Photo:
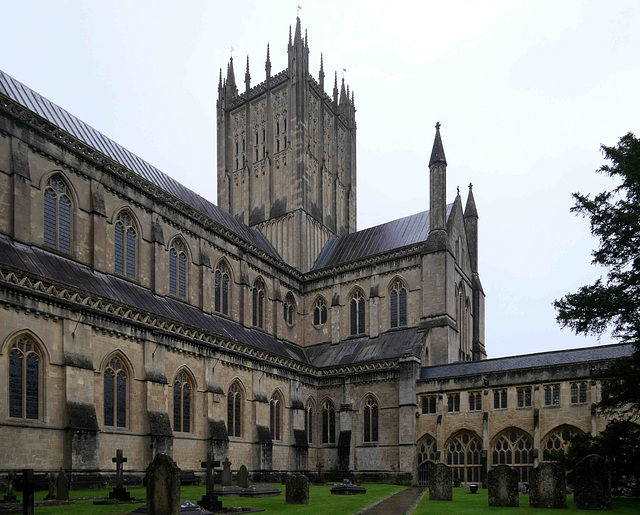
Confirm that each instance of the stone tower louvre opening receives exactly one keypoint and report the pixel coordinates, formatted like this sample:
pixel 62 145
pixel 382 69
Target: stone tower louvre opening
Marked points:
pixel 287 155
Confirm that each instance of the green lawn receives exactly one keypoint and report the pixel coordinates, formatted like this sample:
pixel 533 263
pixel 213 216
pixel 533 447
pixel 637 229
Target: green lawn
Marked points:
pixel 321 501
pixel 464 502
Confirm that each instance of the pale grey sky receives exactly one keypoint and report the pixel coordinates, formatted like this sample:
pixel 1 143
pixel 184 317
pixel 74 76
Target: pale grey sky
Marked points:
pixel 525 92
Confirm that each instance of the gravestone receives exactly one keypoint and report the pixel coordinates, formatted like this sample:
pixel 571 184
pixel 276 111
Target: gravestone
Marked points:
pixel 440 483
pixel 243 477
pixel 210 500
pixel 52 488
pixel 260 491
pixel 186 508
pixel 11 485
pixel 28 487
pixel 119 492
pixel 63 486
pixel 226 472
pixel 162 479
pixel 297 489
pixel 593 483
pixel 548 486
pixel 319 479
pixel 348 488
pixel 503 486
pixel 227 488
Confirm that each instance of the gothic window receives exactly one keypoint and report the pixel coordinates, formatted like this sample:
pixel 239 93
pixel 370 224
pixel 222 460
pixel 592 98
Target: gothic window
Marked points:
pixel 24 379
pixel 429 404
pixel 453 402
pixel 524 397
pixel 475 401
pixel 556 443
pixel 289 308
pixel 234 410
pixel 115 393
pixel 357 312
pixel 514 448
pixel 398 305
pixel 182 403
pixel 125 246
pixel 328 422
pixel 500 399
pixel 578 393
pixel 178 269
pixel 308 421
pixel 258 303
pixel 427 450
pixel 552 395
pixel 463 317
pixel 277 128
pixel 370 419
pixel 275 416
pixel 57 215
pixel 463 456
pixel 222 282
pixel 320 312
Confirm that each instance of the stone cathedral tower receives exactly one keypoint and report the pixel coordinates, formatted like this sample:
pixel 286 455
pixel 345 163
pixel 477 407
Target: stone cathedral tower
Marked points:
pixel 287 156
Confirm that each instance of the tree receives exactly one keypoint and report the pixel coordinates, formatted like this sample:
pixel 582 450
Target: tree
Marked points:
pixel 613 302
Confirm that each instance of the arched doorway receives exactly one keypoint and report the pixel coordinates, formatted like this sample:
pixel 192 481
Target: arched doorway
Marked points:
pixel 426 458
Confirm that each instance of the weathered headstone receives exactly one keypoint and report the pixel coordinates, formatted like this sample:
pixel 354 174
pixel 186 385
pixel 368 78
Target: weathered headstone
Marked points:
pixel 11 485
pixel 119 492
pixel 548 486
pixel 226 472
pixel 28 487
pixel 63 486
pixel 593 484
pixel 243 477
pixel 503 486
pixel 52 488
pixel 440 483
pixel 210 500
pixel 297 489
pixel 162 479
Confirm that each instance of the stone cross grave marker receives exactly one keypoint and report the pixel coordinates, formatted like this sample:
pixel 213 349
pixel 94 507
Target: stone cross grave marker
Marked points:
pixel 163 486
pixel 63 486
pixel 226 472
pixel 119 492
pixel 52 487
pixel 319 466
pixel 28 487
pixel 209 500
pixel 11 485
pixel 243 477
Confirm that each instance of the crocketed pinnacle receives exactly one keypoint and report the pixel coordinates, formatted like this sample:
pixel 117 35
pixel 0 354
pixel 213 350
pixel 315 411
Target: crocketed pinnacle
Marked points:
pixel 437 153
pixel 470 210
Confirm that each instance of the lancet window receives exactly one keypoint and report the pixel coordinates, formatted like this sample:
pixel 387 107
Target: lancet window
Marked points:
pixel 125 242
pixel 25 370
pixel 115 393
pixel 57 215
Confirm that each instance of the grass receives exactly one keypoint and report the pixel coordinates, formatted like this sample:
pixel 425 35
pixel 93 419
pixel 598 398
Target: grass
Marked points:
pixel 320 501
pixel 464 502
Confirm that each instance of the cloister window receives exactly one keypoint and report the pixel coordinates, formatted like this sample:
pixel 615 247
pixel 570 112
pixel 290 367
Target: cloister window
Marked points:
pixel 370 420
pixel 24 379
pixel 453 402
pixel 275 416
pixel 57 215
pixel 475 401
pixel 578 393
pixel 182 403
pixel 328 422
pixel 556 443
pixel 115 394
pixel 234 410
pixel 308 421
pixel 429 405
pixel 463 456
pixel 524 397
pixel 222 282
pixel 427 456
pixel 357 312
pixel 289 308
pixel 514 448
pixel 178 269
pixel 398 305
pixel 125 246
pixel 320 312
pixel 552 395
pixel 258 303
pixel 500 399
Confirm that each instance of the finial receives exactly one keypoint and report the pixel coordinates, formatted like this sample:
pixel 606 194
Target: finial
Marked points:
pixel 220 79
pixel 268 57
pixel 306 38
pixel 298 12
pixel 231 53
pixel 335 82
pixel 437 126
pixel 470 186
pixel 321 63
pixel 458 189
pixel 289 35
pixel 247 64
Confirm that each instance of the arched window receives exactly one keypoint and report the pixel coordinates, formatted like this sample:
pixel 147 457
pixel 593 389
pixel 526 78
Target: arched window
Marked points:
pixel 222 283
pixel 398 304
pixel 125 246
pixel 24 379
pixel 308 421
pixel 463 456
pixel 328 422
pixel 514 448
pixel 289 308
pixel 463 316
pixel 234 410
pixel 178 268
pixel 275 416
pixel 182 403
pixel 258 303
pixel 57 215
pixel 357 312
pixel 427 456
pixel 320 312
pixel 115 394
pixel 370 419
pixel 578 393
pixel 555 444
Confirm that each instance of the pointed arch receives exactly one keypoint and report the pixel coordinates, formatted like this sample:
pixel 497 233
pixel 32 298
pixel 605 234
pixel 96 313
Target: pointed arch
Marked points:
pixel 289 308
pixel 357 303
pixel 370 418
pixel 179 259
pixel 223 278
pixel 514 447
pixel 117 376
pixel 126 238
pixel 60 203
pixel 276 410
pixel 184 386
pixel 309 419
pixel 235 401
pixel 398 302
pixel 328 421
pixel 426 456
pixel 259 296
pixel 555 443
pixel 26 376
pixel 463 454
pixel 320 311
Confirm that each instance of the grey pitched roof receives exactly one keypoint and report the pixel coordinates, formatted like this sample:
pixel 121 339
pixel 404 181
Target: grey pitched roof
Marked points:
pixel 539 360
pixel 51 112
pixel 375 240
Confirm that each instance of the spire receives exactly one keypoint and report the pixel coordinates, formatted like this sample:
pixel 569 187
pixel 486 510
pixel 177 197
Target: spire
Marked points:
pixel 470 210
pixel 321 74
pixel 342 92
pixel 220 79
pixel 247 76
pixel 297 39
pixel 231 77
pixel 267 64
pixel 289 35
pixel 335 90
pixel 306 39
pixel 437 153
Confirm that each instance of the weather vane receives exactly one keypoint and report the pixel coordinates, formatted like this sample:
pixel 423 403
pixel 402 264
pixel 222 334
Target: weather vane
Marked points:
pixel 232 49
pixel 298 11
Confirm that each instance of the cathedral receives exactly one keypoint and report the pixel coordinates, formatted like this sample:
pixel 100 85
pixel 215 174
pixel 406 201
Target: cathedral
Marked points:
pixel 138 315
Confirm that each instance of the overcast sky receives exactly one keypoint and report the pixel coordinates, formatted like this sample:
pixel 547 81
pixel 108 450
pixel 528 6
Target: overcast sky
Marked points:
pixel 526 92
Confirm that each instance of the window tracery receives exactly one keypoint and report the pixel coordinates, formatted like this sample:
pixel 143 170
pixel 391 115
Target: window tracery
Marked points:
pixel 370 416
pixel 356 304
pixel 234 410
pixel 221 290
pixel 57 215
pixel 125 243
pixel 25 372
pixel 178 268
pixel 398 304
pixel 182 403
pixel 115 393
pixel 463 456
